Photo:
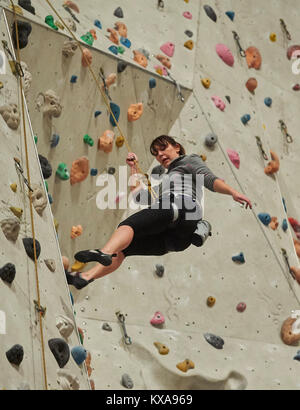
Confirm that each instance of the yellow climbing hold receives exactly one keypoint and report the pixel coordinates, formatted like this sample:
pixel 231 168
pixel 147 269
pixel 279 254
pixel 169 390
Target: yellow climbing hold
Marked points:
pixel 17 211
pixel 77 266
pixel 206 82
pixel 264 127
pixel 1 85
pixel 159 71
pixel 273 37
pixel 210 301
pixel 162 349
pixel 203 157
pixel 56 224
pixel 13 187
pixel 186 365
pixel 120 141
pixel 189 44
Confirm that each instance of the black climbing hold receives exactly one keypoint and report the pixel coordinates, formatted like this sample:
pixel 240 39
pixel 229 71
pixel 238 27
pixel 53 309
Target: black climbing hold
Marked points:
pixel 111 170
pixel 26 4
pixel 210 12
pixel 8 272
pixel 159 270
pixel 121 66
pixel 24 29
pixel 189 33
pixel 228 98
pixel 15 354
pixel 60 350
pixel 106 327
pixel 46 167
pixel 215 341
pixel 28 245
pixel 119 13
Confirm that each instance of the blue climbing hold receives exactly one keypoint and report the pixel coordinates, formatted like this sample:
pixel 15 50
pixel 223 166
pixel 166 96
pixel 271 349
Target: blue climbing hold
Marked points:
pixel 297 357
pixel 72 299
pixel 264 218
pixel 54 140
pixel 116 111
pixel 94 171
pixel 284 204
pixel 113 49
pixel 98 24
pixel 152 83
pixel 284 225
pixel 97 113
pixel 125 42
pixel 245 118
pixel 50 199
pixel 79 354
pixel 73 79
pixel 230 14
pixel 239 258
pixel 268 101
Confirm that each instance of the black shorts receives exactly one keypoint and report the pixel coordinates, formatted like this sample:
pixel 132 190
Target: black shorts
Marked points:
pixel 155 234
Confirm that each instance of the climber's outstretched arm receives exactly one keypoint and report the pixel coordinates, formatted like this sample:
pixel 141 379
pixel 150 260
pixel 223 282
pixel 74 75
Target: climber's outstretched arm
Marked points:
pixel 221 187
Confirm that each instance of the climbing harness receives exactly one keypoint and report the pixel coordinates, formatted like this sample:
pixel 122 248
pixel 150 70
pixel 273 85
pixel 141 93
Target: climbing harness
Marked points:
pixel 71 13
pixel 179 95
pixel 284 253
pixel 237 39
pixel 21 172
pixel 259 143
pixel 283 127
pixel 284 28
pixel 121 319
pixel 15 66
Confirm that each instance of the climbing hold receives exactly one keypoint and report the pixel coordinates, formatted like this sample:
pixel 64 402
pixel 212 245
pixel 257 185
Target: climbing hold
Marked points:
pixel 79 354
pixel 228 98
pixel 126 381
pixel 134 112
pixel 50 21
pixel 94 172
pixel 273 37
pixel 274 224
pixel 297 247
pixel 64 325
pixel 93 33
pixel 98 24
pixel 88 38
pixel 125 42
pixel 50 263
pixel 29 248
pixel 206 82
pixel 60 350
pixel 120 141
pixel 211 139
pixel 241 307
pixel 159 269
pixel 77 266
pixel 79 170
pixel 114 36
pixel 296 87
pixel 110 79
pixel 158 319
pixel 152 82
pixel 210 301
pixel 27 79
pixel 121 66
pixel 105 142
pixel 66 262
pixel 26 4
pixel 189 33
pixel 296 272
pixel 268 101
pixel 121 49
pixel 71 5
pixel 161 70
pixel 253 58
pixel 69 48
pixel 264 218
pixel 230 14
pixel 113 49
pixel 239 258
pixel 187 15
pixel 234 157
pixel 50 198
pixel 97 113
pixel 291 50
pixel 186 365
pixel 16 211
pixel 11 228
pixel 225 54
pixel 35 139
pixel 24 30
pixel 106 327
pixel 290 331
pixel 273 165
pixel 88 140
pixel 13 187
pixel 54 140
pixel 284 225
pixel 140 58
pixel 162 349
pixel 67 381
pixel 51 105
pixel 210 12
pixel 8 272
pixel 297 357
pixel 62 171
pixel 168 48
pixel 164 60
pixel 219 103
pixel 203 157
pixel 81 335
pixel 251 84
pixel 119 12
pixel 15 354
pixel 189 44
pixel 296 226
pixel 73 79
pixel 111 170
pixel 121 28
pixel 215 341
pixel 11 115
pixel 245 118
pixel 76 231
pixel 116 112
pixel 59 25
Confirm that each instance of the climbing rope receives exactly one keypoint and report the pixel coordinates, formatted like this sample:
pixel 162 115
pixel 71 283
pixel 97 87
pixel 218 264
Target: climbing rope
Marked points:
pixel 104 96
pixel 39 308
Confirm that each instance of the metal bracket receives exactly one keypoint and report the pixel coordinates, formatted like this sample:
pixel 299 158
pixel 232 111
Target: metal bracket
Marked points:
pixel 39 309
pixel 237 39
pixel 121 319
pixel 15 66
pixel 101 74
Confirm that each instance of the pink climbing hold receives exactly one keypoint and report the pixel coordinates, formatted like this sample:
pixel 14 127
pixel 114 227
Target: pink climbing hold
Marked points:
pixel 187 15
pixel 241 307
pixel 225 54
pixel 162 69
pixel 219 103
pixel 234 157
pixel 158 319
pixel 168 48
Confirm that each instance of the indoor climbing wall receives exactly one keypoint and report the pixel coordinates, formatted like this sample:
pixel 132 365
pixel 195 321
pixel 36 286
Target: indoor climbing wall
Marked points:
pixel 225 316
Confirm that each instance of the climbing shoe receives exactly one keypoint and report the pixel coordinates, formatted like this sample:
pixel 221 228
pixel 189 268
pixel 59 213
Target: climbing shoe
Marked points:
pixel 77 281
pixel 202 232
pixel 94 255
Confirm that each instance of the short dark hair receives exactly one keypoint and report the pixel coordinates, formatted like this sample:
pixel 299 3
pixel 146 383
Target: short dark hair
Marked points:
pixel 162 142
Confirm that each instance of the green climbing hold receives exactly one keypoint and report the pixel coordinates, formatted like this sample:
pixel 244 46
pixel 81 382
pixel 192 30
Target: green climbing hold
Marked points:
pixel 35 139
pixel 121 49
pixel 50 21
pixel 46 185
pixel 88 140
pixel 62 171
pixel 88 38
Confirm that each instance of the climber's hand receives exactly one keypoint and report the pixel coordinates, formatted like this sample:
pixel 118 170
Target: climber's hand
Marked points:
pixel 241 199
pixel 131 159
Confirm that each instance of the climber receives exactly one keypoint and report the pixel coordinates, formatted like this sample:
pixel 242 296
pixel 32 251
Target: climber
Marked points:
pixel 171 224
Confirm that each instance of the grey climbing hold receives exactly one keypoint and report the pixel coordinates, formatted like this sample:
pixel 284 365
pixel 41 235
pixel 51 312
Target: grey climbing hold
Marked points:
pixel 211 139
pixel 215 341
pixel 159 270
pixel 11 228
pixel 111 170
pixel 127 381
pixel 46 167
pixel 119 12
pixel 210 12
pixel 144 52
pixel 106 327
pixel 64 325
pixel 28 245
pixel 121 66
pixel 8 272
pixel 15 354
pixel 50 263
pixel 189 33
pixel 60 350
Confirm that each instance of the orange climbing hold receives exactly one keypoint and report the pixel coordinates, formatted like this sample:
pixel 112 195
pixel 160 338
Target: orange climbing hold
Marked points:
pixel 93 33
pixel 185 365
pixel 114 37
pixel 87 57
pixel 206 82
pixel 72 6
pixel 121 29
pixel 253 58
pixel 111 79
pixel 297 247
pixel 162 349
pixel 251 84
pixel 140 58
pixel 134 112
pixel 274 223
pixel 66 262
pixel 105 142
pixel 79 170
pixel 296 272
pixel 273 165
pixel 189 44
pixel 287 335
pixel 164 60
pixel 210 301
pixel 76 231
